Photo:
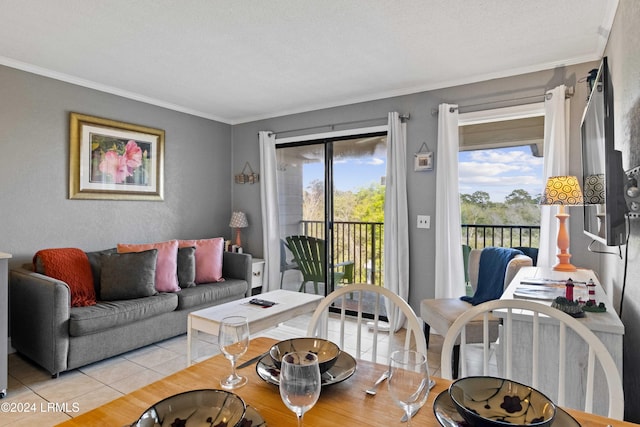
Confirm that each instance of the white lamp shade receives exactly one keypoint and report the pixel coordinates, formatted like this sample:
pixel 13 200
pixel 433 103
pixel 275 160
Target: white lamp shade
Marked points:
pixel 238 220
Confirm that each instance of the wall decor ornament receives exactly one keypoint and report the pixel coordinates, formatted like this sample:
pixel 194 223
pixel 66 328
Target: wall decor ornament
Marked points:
pixel 423 159
pixel 247 176
pixel 114 160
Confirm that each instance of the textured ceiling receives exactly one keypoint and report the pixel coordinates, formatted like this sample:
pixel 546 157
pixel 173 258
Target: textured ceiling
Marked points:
pixel 242 60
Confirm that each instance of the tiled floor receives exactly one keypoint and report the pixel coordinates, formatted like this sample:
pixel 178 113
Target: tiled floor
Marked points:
pixel 37 399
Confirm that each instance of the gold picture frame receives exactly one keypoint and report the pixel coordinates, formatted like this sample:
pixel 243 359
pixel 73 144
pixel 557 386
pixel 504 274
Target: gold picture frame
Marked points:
pixel 113 160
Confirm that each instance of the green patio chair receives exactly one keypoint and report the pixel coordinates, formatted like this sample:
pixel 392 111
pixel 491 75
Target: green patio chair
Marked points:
pixel 309 254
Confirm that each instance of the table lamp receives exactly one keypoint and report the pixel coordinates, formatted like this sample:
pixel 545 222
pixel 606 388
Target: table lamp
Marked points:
pixel 238 221
pixel 594 195
pixel 562 191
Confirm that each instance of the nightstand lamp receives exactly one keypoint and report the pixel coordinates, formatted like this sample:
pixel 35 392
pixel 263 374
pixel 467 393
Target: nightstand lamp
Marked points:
pixel 562 191
pixel 238 221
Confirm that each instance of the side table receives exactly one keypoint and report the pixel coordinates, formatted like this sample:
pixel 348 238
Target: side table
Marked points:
pixel 257 273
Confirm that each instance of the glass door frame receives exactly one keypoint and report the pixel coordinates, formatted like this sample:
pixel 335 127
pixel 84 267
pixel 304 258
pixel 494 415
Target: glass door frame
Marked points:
pixel 327 139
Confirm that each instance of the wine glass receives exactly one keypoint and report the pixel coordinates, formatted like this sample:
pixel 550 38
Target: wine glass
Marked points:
pixel 408 380
pixel 300 382
pixel 233 340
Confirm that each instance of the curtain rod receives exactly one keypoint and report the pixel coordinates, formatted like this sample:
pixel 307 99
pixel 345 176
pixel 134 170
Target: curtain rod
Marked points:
pixel 403 117
pixel 547 95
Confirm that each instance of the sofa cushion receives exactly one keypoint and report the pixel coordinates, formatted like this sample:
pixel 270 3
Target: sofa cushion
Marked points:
pixel 71 266
pixel 128 276
pixel 209 254
pixel 95 260
pixel 167 265
pixel 207 293
pixel 187 267
pixel 110 314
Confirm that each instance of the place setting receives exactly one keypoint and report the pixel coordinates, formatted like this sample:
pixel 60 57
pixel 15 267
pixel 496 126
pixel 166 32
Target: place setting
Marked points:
pixel 335 365
pixel 485 401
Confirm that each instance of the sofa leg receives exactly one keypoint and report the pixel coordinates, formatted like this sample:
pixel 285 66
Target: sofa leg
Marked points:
pixel 455 361
pixel 427 330
pixel 55 376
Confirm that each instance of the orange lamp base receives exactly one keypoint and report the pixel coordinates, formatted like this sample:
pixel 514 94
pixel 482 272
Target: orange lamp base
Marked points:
pixel 564 256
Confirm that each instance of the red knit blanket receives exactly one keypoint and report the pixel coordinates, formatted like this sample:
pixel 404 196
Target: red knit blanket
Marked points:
pixel 71 266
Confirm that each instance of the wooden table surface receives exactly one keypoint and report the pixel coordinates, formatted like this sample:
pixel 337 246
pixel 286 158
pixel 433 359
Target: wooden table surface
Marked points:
pixel 343 404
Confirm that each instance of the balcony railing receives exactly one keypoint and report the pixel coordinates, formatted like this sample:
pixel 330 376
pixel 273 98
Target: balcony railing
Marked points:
pixel 507 236
pixel 362 242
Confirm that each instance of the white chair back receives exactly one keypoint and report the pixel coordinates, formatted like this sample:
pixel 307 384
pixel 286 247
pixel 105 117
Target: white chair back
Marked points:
pixel 509 308
pixel 350 301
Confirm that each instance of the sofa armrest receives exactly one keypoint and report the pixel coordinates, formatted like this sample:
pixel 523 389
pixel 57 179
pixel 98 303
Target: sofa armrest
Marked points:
pixel 237 266
pixel 513 266
pixel 39 318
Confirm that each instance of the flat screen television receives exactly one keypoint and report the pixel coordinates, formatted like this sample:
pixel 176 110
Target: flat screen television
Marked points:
pixel 604 178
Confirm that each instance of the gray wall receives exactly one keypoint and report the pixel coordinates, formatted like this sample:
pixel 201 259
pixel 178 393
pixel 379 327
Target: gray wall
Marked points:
pixel 422 127
pixel 623 52
pixel 35 211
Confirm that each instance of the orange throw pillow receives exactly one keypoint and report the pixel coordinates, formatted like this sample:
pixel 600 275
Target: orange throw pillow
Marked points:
pixel 71 266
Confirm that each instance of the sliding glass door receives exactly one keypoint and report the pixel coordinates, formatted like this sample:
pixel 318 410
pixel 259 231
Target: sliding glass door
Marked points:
pixel 332 190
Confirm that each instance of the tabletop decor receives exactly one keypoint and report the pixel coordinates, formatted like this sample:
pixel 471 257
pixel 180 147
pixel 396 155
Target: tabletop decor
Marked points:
pixel 448 416
pixel 114 160
pixel 326 351
pixel 216 408
pixel 300 382
pixel 409 381
pixel 233 340
pixel 238 221
pixel 498 402
pixel 562 191
pixel 343 369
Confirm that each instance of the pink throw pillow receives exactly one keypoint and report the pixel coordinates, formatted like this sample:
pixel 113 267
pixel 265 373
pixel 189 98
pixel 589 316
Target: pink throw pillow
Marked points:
pixel 166 266
pixel 209 253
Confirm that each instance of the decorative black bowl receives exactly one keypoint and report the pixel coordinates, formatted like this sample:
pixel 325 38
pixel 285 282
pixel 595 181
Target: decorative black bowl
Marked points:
pixel 326 351
pixel 498 402
pixel 196 408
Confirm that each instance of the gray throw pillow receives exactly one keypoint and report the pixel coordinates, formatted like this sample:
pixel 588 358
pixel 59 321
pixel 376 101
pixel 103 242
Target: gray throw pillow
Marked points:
pixel 128 275
pixel 95 260
pixel 187 267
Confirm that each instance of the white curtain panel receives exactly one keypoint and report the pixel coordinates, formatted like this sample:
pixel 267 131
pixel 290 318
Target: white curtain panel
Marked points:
pixel 449 277
pixel 556 163
pixel 396 219
pixel 270 214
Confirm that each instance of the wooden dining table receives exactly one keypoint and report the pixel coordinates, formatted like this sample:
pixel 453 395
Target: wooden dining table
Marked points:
pixel 342 404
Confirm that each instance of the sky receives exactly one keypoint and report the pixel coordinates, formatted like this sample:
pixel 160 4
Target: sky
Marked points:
pixel 497 172
pixel 500 171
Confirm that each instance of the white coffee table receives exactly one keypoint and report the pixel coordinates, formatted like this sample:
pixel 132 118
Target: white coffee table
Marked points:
pixel 289 304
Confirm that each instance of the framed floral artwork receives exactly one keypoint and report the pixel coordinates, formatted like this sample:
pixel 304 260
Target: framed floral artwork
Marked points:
pixel 114 160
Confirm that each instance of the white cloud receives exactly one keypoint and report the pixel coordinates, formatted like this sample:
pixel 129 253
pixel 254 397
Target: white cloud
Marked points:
pixel 499 172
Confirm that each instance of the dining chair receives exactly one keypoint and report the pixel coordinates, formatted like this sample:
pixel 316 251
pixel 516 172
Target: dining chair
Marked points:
pixel 350 311
pixel 440 313
pixel 542 316
pixel 309 254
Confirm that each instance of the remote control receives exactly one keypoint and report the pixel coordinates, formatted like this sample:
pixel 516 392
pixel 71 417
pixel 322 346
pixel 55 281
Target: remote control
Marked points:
pixel 262 302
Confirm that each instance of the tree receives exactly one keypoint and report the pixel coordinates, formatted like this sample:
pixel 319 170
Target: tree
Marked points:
pixel 519 197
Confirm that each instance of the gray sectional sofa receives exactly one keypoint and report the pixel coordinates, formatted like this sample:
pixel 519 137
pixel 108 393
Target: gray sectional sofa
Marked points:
pixel 46 329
